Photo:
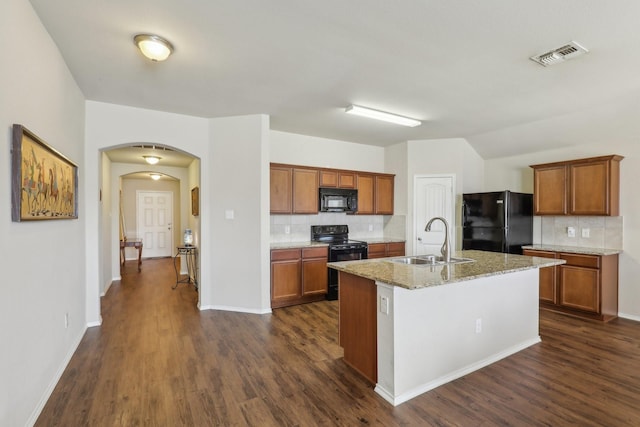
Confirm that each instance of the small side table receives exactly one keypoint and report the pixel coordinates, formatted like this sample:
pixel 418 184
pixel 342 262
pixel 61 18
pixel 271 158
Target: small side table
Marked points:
pixel 191 256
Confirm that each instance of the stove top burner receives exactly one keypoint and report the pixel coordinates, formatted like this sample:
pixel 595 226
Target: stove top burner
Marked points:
pixel 334 235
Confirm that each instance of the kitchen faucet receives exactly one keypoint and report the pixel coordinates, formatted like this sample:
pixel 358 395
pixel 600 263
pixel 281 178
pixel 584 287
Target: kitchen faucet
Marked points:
pixel 446 253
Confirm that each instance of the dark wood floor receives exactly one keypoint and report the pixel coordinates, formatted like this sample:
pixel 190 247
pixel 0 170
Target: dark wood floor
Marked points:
pixel 158 361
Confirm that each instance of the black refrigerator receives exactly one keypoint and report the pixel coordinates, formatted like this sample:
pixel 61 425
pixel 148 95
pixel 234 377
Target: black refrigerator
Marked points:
pixel 497 222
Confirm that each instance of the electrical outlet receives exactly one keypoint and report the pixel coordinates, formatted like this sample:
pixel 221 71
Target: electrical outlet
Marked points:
pixel 287 229
pixel 370 227
pixel 478 326
pixel 384 304
pixel 571 231
pixel 586 232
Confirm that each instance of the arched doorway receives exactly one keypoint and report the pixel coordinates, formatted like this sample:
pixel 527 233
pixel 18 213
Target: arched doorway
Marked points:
pixel 128 162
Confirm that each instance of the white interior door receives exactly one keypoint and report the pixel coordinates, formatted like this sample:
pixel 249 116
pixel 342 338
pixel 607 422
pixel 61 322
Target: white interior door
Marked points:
pixel 155 222
pixel 433 196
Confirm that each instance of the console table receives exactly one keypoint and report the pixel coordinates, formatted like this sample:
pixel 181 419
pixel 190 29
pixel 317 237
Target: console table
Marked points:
pixel 133 243
pixel 191 257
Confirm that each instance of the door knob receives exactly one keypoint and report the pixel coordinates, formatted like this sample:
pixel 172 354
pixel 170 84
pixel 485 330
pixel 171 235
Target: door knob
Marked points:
pixel 419 239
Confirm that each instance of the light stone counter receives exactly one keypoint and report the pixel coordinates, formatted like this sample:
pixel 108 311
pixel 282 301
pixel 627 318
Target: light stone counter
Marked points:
pixel 295 245
pixel 372 240
pixel 574 249
pixel 485 264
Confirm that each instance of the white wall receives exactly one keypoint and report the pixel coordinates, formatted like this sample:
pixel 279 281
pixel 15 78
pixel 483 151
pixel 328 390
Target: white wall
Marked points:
pixel 498 172
pixel 294 149
pixel 43 262
pixel 240 249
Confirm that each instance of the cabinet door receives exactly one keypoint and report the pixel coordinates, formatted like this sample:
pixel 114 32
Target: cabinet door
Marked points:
pixel 548 277
pixel 580 288
pixel 280 183
pixel 550 190
pixel 376 250
pixel 305 191
pixel 395 249
pixel 365 194
pixel 384 195
pixel 346 180
pixel 589 193
pixel 328 179
pixel 315 278
pixel 285 280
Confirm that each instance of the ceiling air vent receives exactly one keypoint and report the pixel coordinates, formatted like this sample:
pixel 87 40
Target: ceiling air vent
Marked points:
pixel 561 54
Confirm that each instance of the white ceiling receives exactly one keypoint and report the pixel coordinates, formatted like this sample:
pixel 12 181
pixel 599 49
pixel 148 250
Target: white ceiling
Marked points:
pixel 461 66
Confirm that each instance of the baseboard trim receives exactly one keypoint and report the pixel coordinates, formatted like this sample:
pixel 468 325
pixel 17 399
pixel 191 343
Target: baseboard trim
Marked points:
pixel 52 385
pixel 235 309
pixel 629 317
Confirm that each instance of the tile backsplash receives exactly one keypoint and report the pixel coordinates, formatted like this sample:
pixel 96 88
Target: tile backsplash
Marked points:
pixel 604 231
pixel 297 228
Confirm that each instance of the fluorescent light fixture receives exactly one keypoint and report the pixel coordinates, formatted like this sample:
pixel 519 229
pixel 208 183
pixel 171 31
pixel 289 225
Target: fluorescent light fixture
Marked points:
pixel 153 47
pixel 381 115
pixel 152 160
pixel 155 176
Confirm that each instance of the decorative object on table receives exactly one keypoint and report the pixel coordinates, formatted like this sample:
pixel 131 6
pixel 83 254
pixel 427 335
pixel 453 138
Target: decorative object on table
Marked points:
pixel 44 182
pixel 188 237
pixel 195 201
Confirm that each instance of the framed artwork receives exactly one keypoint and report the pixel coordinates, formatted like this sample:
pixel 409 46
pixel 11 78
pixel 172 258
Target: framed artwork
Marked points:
pixel 44 182
pixel 195 201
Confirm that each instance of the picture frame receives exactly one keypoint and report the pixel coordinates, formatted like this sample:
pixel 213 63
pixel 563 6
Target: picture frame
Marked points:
pixel 195 201
pixel 44 182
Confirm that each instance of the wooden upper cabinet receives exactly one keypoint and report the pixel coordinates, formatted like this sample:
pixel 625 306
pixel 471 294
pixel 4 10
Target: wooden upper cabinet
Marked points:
pixel 337 179
pixel 294 189
pixel 578 187
pixel 550 190
pixel 305 191
pixel 366 185
pixel 281 190
pixel 595 187
pixel 384 195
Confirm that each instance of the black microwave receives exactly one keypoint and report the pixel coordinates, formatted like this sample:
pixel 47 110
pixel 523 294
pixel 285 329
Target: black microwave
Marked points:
pixel 338 200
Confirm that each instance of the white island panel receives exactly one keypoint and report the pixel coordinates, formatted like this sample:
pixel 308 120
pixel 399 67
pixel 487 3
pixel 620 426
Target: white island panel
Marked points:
pixel 429 336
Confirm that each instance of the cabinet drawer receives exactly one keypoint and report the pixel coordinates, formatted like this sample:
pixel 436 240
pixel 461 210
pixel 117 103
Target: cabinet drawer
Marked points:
pixel 315 252
pixel 376 250
pixel 590 261
pixel 541 254
pixel 285 254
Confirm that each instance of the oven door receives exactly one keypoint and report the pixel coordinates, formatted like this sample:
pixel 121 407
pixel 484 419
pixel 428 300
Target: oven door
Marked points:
pixel 342 254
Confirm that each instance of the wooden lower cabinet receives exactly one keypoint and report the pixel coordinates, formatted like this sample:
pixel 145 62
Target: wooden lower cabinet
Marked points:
pixel 383 250
pixel 298 276
pixel 586 286
pixel 358 326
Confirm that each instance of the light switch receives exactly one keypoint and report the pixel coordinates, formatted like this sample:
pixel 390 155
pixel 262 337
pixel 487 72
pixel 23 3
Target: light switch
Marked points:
pixel 229 214
pixel 571 231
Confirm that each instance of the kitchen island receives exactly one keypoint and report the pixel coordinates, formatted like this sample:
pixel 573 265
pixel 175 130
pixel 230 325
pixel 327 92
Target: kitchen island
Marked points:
pixel 411 328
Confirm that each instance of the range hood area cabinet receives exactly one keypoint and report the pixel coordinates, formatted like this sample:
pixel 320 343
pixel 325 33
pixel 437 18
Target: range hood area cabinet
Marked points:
pixel 375 194
pixel 295 189
pixel 578 187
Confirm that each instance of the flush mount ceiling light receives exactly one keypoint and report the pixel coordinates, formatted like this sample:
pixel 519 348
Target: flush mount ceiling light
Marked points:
pixel 152 160
pixel 153 47
pixel 381 115
pixel 155 176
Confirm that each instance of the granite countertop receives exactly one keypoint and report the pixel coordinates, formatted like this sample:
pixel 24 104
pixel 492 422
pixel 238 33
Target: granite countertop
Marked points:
pixel 574 249
pixel 371 240
pixel 295 245
pixel 421 276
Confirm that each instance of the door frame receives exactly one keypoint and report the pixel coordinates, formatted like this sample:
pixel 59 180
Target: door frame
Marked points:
pixel 453 243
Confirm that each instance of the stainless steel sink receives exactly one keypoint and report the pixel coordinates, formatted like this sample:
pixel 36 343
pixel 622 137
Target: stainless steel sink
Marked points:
pixel 429 260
